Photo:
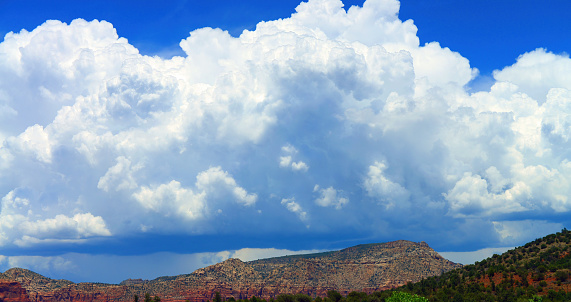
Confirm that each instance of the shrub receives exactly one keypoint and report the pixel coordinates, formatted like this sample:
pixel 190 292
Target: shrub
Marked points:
pixel 334 295
pixel 405 297
pixel 302 298
pixel 285 298
pixel 561 276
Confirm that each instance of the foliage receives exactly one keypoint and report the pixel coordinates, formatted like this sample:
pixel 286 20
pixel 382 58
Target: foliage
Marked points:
pixel 334 296
pixel 405 297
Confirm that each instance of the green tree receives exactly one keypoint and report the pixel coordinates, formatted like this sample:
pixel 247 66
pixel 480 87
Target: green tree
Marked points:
pixel 302 298
pixel 217 297
pixel 148 298
pixel 405 297
pixel 335 296
pixel 285 298
pixel 561 276
pixel 135 298
pixel 356 296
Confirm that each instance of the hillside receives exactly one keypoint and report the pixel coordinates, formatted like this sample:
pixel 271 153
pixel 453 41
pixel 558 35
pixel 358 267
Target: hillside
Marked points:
pixel 366 268
pixel 540 268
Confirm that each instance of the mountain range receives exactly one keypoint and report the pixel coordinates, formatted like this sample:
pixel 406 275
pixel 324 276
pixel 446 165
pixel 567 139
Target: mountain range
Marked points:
pixel 365 268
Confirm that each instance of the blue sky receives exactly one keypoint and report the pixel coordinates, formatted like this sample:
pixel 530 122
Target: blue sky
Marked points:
pixel 491 34
pixel 146 137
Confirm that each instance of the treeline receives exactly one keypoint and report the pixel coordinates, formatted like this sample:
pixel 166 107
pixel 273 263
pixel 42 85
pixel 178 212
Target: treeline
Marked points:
pixel 334 296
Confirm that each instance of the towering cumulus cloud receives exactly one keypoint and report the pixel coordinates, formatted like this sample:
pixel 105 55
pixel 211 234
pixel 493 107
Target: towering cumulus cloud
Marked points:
pixel 329 121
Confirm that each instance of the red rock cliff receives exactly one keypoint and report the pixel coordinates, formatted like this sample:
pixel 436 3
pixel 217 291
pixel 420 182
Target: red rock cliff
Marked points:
pixel 12 291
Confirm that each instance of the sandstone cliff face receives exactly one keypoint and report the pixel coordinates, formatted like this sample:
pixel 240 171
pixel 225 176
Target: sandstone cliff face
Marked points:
pixel 12 291
pixel 367 268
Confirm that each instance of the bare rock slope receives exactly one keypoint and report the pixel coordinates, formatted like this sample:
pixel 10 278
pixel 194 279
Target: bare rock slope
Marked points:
pixel 367 268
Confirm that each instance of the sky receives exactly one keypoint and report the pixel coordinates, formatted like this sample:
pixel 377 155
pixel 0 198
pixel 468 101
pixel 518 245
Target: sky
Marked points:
pixel 138 141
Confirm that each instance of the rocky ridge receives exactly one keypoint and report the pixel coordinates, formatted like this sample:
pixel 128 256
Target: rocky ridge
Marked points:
pixel 368 268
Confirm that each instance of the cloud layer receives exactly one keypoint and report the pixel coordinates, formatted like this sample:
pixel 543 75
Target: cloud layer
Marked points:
pixel 329 121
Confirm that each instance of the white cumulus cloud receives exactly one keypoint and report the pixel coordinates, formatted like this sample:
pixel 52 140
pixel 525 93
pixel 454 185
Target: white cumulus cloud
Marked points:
pixel 330 197
pixel 120 176
pixel 97 139
pixel 294 207
pixel 215 180
pixel 380 187
pixel 537 72
pixel 19 225
pixel 172 199
pixel 288 162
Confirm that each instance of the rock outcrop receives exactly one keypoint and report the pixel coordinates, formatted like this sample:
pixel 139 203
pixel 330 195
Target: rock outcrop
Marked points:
pixel 12 291
pixel 368 268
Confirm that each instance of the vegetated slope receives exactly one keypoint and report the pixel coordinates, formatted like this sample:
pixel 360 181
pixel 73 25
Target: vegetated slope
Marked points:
pixel 540 268
pixel 367 268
